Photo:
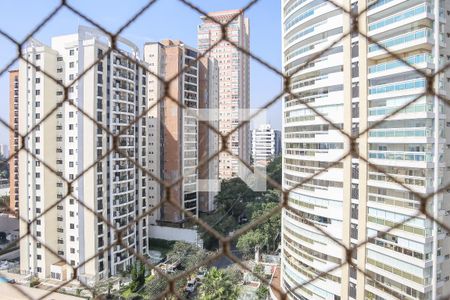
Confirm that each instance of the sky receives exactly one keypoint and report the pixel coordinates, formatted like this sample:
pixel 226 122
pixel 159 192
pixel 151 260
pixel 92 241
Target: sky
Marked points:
pixel 164 19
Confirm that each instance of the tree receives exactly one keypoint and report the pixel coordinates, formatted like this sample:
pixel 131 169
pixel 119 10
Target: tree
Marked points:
pixel 261 292
pixel 218 285
pixel 231 202
pixel 137 277
pixel 188 254
pixel 264 235
pixel 274 170
pixel 4 167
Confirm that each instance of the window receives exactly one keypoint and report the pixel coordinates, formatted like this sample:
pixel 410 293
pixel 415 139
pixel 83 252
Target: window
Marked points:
pixel 38 104
pixel 39 269
pixel 38 92
pixel 38 56
pixel 71 114
pixel 71 52
pixel 38 80
pixel 71 64
pixel 38 257
pixel 72 226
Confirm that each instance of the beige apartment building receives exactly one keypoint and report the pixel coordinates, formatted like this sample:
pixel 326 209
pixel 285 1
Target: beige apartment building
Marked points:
pixel 208 141
pixel 113 93
pixel 177 113
pixel 14 140
pixel 234 82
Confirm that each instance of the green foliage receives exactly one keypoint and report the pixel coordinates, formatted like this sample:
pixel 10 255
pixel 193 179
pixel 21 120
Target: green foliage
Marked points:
pixel 265 235
pixel 156 286
pixel 4 168
pixel 261 292
pixel 188 254
pixel 219 285
pixel 34 282
pixel 274 170
pixel 137 277
pixel 231 201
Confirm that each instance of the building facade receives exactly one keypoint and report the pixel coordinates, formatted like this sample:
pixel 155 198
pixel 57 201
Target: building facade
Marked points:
pixel 208 141
pixel 354 84
pixel 178 125
pixel 234 82
pixel 14 140
pixel 266 144
pixel 72 148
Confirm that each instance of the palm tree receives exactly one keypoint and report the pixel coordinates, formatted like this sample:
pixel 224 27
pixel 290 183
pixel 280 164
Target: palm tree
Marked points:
pixel 218 284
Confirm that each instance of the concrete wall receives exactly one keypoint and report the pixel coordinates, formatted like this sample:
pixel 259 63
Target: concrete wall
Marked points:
pixel 175 234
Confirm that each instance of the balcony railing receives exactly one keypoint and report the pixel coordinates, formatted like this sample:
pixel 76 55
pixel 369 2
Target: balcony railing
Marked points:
pixel 402 39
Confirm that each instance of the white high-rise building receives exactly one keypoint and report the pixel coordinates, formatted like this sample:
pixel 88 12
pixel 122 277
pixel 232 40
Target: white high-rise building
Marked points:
pixel 234 82
pixel 265 144
pixel 74 148
pixel 354 84
pixel 4 150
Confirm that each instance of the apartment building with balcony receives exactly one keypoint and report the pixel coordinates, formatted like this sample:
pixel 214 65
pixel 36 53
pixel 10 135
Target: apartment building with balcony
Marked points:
pixel 208 140
pixel 355 84
pixel 176 114
pixel 234 82
pixel 72 148
pixel 14 140
pixel 266 144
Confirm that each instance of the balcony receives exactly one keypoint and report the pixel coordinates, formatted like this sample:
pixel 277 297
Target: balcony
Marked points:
pixel 406 42
pixel 401 155
pixel 404 15
pixel 419 83
pixel 395 64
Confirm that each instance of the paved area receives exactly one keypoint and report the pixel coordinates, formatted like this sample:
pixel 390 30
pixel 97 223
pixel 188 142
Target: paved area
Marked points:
pixel 20 292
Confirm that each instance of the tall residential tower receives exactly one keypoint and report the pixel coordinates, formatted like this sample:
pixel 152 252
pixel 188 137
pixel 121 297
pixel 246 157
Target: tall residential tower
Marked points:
pixel 14 140
pixel 234 82
pixel 74 149
pixel 354 84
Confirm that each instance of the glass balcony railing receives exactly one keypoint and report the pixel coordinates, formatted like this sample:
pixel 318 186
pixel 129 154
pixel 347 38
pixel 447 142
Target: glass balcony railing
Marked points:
pixel 399 86
pixel 292 21
pixel 402 39
pixel 401 132
pixel 401 155
pixel 412 60
pixel 400 17
pixel 413 108
pixel 379 3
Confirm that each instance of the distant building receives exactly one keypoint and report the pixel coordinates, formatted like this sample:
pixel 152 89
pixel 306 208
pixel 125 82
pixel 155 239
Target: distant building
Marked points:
pixel 177 129
pixel 4 150
pixel 14 140
pixel 208 140
pixel 234 78
pixel 266 144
